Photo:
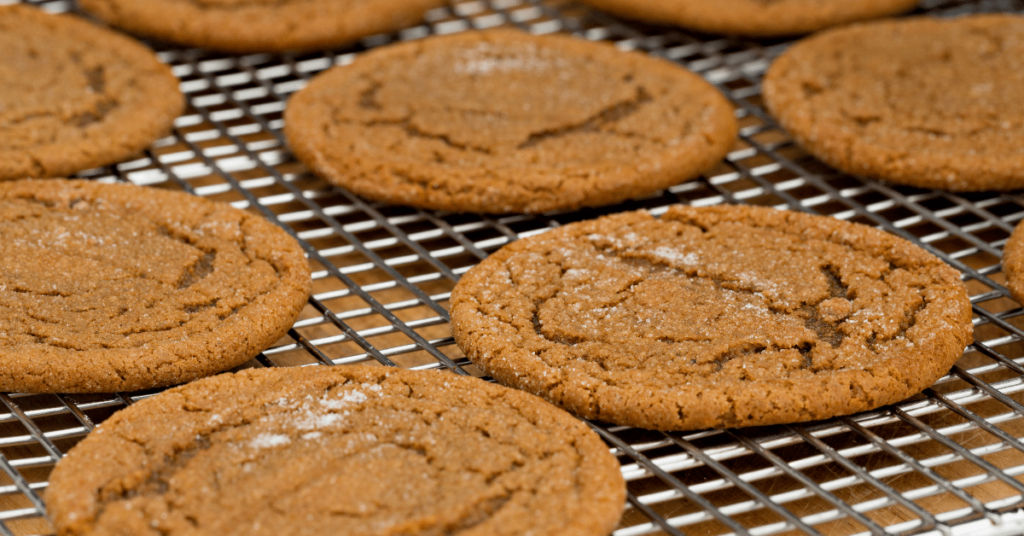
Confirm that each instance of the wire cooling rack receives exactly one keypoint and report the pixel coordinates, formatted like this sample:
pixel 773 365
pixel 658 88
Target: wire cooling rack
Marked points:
pixel 945 462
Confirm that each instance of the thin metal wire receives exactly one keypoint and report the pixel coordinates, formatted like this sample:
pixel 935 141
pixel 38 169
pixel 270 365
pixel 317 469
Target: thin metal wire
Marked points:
pixel 977 505
pixel 788 469
pixel 759 496
pixel 928 519
pixel 705 505
pixel 951 459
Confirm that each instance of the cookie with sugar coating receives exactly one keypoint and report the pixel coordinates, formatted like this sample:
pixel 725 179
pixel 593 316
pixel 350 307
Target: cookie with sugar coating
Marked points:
pixel 504 121
pixel 926 102
pixel 76 96
pixel 754 18
pixel 338 450
pixel 115 287
pixel 713 317
pixel 242 26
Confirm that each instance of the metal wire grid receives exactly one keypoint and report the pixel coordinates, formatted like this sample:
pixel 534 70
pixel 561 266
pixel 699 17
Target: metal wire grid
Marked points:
pixel 947 461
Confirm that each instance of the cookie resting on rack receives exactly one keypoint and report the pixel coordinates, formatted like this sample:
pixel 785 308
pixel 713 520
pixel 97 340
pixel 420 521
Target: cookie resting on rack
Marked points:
pixel 927 102
pixel 76 96
pixel 113 287
pixel 504 121
pixel 754 18
pixel 1013 263
pixel 242 26
pixel 352 450
pixel 713 317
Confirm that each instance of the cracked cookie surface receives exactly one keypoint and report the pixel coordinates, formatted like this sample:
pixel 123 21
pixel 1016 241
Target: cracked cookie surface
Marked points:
pixel 241 26
pixel 925 102
pixel 109 287
pixel 713 317
pixel 503 121
pixel 76 96
pixel 351 450
pixel 756 18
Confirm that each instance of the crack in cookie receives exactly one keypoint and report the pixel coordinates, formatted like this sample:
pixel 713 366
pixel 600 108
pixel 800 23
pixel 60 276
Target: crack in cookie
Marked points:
pixel 944 109
pixel 113 287
pixel 244 26
pixel 745 316
pixel 339 450
pixel 94 96
pixel 504 121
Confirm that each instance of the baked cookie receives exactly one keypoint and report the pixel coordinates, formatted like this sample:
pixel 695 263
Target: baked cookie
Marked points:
pixel 242 26
pixel 76 96
pixel 755 18
pixel 1013 263
pixel 504 121
pixel 924 102
pixel 343 450
pixel 108 287
pixel 713 317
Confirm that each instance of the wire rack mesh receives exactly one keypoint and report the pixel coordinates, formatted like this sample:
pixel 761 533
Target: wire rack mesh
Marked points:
pixel 948 461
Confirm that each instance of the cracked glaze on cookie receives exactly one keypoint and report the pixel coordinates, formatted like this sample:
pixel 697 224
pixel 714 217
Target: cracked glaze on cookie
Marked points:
pixel 713 317
pixel 76 96
pixel 926 102
pixel 345 450
pixel 114 287
pixel 502 121
pixel 241 26
pixel 759 18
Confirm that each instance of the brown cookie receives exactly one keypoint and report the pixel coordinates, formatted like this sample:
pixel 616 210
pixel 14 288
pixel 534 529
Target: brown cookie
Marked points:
pixel 349 450
pixel 260 25
pixel 756 18
pixel 713 317
pixel 1013 263
pixel 504 121
pixel 111 287
pixel 76 96
pixel 925 102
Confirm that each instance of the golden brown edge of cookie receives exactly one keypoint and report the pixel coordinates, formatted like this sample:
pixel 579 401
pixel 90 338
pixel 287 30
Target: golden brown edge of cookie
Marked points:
pixel 241 337
pixel 767 20
pixel 250 29
pixel 849 153
pixel 108 143
pixel 948 315
pixel 684 161
pixel 75 493
pixel 1013 263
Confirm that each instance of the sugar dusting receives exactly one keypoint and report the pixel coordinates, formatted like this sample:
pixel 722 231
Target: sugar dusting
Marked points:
pixel 485 59
pixel 314 414
pixel 676 256
pixel 266 441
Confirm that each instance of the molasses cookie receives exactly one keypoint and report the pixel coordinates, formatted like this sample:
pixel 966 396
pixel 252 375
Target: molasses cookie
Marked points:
pixel 112 287
pixel 925 102
pixel 755 18
pixel 1013 263
pixel 76 96
pixel 713 317
pixel 260 25
pixel 341 450
pixel 504 121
